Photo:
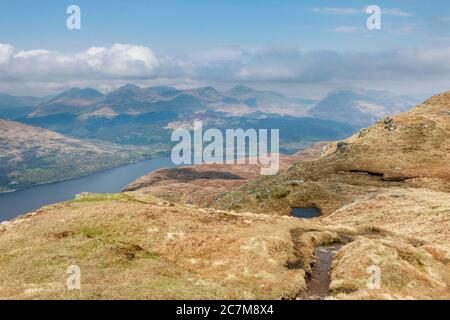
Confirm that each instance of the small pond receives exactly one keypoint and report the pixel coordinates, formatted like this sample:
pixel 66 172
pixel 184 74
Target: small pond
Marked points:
pixel 306 213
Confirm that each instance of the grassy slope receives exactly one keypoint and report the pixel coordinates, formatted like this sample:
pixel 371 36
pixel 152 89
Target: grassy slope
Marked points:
pixel 134 245
pixel 201 184
pixel 130 249
pixel 32 155
pixel 411 151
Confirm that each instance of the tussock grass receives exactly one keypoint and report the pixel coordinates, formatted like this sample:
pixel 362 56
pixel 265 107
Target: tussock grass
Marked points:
pixel 406 272
pixel 135 247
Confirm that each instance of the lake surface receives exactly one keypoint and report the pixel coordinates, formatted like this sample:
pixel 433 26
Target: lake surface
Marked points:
pixel 306 212
pixel 110 181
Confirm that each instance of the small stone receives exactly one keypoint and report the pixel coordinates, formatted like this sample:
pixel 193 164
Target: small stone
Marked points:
pixel 389 124
pixel 342 146
pixel 363 132
pixel 82 195
pixel 295 182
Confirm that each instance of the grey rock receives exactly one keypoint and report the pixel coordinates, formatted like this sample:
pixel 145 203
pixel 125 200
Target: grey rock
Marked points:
pixel 342 146
pixel 389 124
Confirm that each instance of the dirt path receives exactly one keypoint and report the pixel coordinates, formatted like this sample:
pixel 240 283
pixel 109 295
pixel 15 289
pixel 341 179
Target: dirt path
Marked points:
pixel 318 283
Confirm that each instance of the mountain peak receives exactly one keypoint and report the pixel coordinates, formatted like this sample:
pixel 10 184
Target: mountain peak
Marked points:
pixel 359 107
pixel 69 101
pixel 128 90
pixel 161 89
pixel 128 87
pixel 9 101
pixel 242 89
pixel 77 93
pixel 203 89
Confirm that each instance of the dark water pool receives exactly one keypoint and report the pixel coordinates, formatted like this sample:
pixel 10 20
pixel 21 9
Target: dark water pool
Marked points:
pixel 110 181
pixel 305 212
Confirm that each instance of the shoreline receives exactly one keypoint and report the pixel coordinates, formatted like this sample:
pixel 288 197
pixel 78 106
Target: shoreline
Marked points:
pixel 9 191
pixel 12 200
pixel 78 176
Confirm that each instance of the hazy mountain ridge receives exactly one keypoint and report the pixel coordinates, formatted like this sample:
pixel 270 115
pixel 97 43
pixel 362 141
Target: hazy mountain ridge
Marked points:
pixel 155 128
pixel 12 107
pixel 355 106
pixel 8 101
pixel 133 100
pixel 360 107
pixel 144 116
pixel 71 101
pixel 351 105
pixel 132 115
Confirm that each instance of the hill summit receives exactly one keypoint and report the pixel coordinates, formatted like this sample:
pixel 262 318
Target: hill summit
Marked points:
pixel 411 149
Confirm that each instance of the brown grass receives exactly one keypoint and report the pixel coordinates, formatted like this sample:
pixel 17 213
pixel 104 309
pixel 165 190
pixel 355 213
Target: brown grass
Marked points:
pixel 130 249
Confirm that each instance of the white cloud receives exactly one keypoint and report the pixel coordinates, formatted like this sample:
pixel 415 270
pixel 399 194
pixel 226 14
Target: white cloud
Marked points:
pixel 120 60
pixel 346 11
pixel 266 73
pixel 274 64
pixel 346 29
pixel 395 12
pixel 337 10
pixel 6 52
pixel 42 71
pixel 31 53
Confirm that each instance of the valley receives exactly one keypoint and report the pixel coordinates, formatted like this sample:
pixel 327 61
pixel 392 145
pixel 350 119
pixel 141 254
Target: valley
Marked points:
pixel 223 232
pixel 132 115
pixel 133 123
pixel 225 157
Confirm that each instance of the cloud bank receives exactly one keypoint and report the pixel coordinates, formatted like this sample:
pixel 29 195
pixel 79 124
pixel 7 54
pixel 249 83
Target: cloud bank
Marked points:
pixel 42 70
pixel 120 60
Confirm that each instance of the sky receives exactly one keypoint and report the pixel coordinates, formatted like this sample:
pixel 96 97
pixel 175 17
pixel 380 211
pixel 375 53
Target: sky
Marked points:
pixel 300 48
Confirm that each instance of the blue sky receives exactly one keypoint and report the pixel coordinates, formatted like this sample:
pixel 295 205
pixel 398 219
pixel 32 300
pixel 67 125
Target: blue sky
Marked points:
pixel 169 26
pixel 184 32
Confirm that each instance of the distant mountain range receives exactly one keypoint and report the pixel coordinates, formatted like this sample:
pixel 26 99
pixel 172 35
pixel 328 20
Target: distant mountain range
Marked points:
pixel 133 100
pixel 354 106
pixel 12 107
pixel 71 101
pixel 140 119
pixel 134 115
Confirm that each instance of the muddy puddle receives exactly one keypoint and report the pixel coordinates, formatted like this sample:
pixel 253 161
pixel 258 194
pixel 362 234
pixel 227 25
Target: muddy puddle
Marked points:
pixel 318 283
pixel 318 277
